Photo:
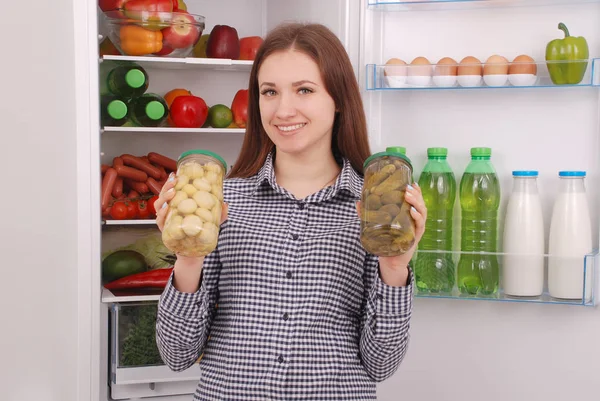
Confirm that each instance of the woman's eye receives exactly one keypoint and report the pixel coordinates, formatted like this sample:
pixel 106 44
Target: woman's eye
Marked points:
pixel 305 91
pixel 268 92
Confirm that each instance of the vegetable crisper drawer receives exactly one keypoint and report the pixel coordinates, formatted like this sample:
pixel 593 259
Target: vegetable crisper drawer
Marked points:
pixel 137 369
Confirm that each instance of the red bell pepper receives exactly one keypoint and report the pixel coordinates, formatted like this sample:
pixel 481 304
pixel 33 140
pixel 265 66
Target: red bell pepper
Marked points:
pixel 157 278
pixel 239 108
pixel 188 111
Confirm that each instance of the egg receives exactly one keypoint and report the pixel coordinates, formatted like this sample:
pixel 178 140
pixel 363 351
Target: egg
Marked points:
pixel 446 66
pixel 523 64
pixel 399 68
pixel 419 72
pixel 395 73
pixel 470 66
pixel 420 66
pixel 495 65
pixel 522 71
pixel 444 74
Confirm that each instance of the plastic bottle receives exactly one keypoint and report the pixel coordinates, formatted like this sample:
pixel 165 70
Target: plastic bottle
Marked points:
pixel 523 242
pixel 149 110
pixel 570 239
pixel 434 272
pixel 129 80
pixel 113 111
pixel 479 202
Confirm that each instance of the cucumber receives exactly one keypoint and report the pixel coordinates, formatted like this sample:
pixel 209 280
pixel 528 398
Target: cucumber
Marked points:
pixel 122 263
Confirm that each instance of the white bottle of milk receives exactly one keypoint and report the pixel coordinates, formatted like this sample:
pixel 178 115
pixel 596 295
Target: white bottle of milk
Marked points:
pixel 570 239
pixel 523 261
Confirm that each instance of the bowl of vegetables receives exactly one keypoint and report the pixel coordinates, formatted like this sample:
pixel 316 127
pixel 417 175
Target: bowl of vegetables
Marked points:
pixel 153 33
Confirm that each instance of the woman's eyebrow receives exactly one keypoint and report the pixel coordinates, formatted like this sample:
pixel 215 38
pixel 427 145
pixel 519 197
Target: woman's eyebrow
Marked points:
pixel 297 83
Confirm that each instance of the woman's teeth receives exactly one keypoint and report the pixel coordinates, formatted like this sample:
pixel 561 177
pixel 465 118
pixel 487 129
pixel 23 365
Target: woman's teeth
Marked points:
pixel 291 127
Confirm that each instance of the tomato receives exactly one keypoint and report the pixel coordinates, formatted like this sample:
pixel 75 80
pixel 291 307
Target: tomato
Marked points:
pixel 143 211
pixel 132 209
pixel 106 213
pixel 118 211
pixel 151 205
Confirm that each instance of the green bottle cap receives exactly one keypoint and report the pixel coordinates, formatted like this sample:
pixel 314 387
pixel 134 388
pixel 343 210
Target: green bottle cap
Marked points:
pixel 117 109
pixel 135 78
pixel 203 152
pixel 396 149
pixel 155 110
pixel 437 152
pixel 481 152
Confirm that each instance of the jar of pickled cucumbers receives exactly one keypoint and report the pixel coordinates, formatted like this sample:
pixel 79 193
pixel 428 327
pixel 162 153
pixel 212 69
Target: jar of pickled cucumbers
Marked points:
pixel 194 217
pixel 386 226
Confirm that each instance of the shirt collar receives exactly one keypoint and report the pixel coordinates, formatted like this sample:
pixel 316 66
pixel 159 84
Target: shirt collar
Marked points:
pixel 348 180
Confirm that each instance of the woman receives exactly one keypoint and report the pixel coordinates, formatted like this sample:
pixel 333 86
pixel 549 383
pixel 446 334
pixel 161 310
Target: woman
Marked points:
pixel 304 312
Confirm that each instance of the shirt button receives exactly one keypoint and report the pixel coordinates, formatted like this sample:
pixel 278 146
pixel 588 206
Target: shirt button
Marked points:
pixel 295 236
pixel 280 359
pixel 288 274
pixel 301 205
pixel 286 316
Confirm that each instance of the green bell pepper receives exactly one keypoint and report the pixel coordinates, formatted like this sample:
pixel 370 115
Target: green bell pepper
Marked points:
pixel 560 54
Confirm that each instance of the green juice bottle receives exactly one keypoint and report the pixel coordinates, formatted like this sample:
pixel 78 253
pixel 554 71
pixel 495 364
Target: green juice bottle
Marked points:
pixel 435 271
pixel 149 110
pixel 479 202
pixel 113 111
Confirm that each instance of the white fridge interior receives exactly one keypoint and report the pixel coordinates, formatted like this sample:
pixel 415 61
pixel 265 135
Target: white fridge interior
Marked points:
pixel 544 129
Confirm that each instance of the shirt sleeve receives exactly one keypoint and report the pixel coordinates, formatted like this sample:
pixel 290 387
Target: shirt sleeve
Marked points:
pixel 386 322
pixel 184 319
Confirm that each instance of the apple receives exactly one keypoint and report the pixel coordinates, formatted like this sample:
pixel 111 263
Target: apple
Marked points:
pixel 108 5
pixel 223 42
pixel 165 51
pixel 180 5
pixel 182 33
pixel 200 47
pixel 249 47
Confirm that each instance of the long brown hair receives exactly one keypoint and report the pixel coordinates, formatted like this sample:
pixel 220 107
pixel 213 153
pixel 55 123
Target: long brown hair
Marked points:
pixel 349 139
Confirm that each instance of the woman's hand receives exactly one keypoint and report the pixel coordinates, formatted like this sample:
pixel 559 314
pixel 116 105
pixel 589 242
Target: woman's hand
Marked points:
pixel 394 269
pixel 161 204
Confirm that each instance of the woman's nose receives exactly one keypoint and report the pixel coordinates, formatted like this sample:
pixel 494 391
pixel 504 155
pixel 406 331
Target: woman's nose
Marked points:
pixel 286 107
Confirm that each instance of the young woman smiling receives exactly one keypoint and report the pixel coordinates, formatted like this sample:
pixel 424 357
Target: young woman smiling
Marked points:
pixel 304 312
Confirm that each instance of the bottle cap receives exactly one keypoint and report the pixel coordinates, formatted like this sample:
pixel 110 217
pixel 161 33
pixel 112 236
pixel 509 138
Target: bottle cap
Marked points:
pixel 155 110
pixel 525 173
pixel 383 154
pixel 481 152
pixel 117 109
pixel 204 152
pixel 437 152
pixel 135 78
pixel 396 149
pixel 571 174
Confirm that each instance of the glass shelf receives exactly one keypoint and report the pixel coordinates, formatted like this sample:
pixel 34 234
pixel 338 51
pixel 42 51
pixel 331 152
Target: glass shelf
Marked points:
pixel 419 77
pixel 588 265
pixel 185 63
pixel 434 5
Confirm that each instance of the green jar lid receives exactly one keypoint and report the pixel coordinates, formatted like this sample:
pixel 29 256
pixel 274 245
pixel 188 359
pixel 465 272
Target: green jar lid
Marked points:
pixel 135 78
pixel 397 149
pixel 481 152
pixel 382 154
pixel 155 110
pixel 437 152
pixel 204 152
pixel 117 109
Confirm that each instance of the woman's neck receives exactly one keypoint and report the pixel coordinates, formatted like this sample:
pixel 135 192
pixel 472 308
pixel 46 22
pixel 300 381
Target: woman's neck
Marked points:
pixel 304 175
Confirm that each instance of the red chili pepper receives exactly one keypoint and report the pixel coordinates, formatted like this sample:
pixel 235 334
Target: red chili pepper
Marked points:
pixel 157 278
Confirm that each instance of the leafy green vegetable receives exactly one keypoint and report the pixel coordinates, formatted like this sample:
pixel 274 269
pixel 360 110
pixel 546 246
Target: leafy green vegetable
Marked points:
pixel 157 255
pixel 139 345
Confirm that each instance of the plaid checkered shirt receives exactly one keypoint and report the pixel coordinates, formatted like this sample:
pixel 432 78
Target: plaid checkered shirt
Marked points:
pixel 290 306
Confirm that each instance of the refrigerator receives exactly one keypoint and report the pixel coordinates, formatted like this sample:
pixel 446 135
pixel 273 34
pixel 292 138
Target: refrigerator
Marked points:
pixel 461 347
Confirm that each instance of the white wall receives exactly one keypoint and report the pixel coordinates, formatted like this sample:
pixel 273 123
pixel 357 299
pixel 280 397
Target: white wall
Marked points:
pixel 38 333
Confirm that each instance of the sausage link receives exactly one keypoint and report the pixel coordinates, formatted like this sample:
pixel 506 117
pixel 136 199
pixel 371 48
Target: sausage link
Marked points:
pixel 164 161
pixel 104 167
pixel 138 187
pixel 108 183
pixel 132 173
pixel 136 162
pixel 118 187
pixel 117 161
pixel 154 186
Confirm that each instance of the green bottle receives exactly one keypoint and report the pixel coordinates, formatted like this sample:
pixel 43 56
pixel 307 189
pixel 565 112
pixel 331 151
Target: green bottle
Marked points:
pixel 114 111
pixel 129 80
pixel 434 271
pixel 148 110
pixel 479 202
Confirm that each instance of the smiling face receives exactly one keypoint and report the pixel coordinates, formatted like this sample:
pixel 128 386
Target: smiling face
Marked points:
pixel 296 110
